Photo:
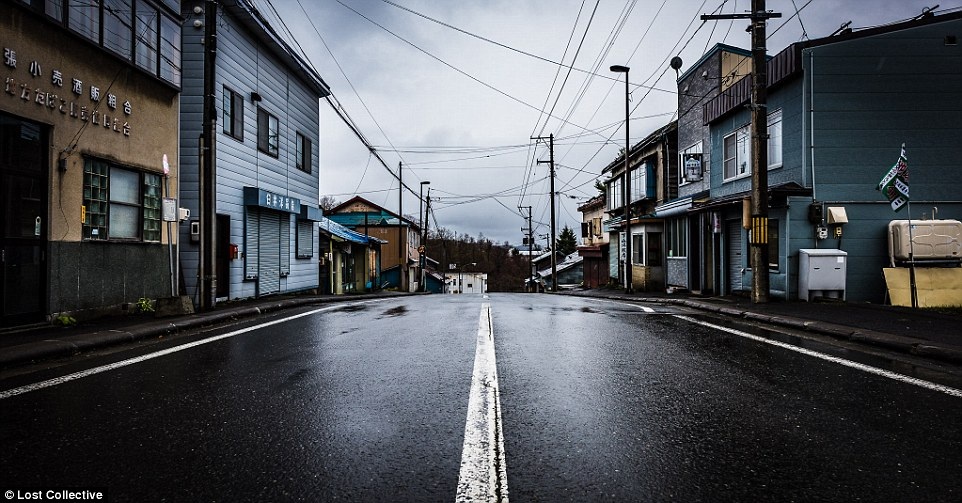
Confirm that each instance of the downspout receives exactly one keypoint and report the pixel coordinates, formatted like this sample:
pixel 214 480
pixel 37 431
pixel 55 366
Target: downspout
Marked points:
pixel 811 119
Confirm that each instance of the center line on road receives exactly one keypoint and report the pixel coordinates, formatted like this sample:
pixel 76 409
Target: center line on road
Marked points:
pixel 150 356
pixel 483 474
pixel 834 359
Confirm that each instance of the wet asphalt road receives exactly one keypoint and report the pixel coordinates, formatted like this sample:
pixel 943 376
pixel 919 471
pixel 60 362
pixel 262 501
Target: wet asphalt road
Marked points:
pixel 367 402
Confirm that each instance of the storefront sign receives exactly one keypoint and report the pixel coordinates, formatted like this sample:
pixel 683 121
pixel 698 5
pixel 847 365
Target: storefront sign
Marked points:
pixel 254 196
pixel 81 102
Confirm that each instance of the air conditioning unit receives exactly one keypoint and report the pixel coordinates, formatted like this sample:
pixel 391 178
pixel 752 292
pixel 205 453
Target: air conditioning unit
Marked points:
pixel 931 241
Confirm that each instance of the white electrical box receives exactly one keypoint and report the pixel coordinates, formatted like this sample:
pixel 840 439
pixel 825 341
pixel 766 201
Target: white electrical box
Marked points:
pixel 821 273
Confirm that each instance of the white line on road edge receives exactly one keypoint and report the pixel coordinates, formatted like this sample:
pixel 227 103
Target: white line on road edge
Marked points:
pixel 841 361
pixel 483 474
pixel 97 370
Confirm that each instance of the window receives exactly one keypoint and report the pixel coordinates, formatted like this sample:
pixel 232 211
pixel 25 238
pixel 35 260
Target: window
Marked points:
pixel 305 239
pixel 142 32
pixel 118 34
pixel 146 31
pixel 170 50
pixel 153 204
pixel 775 139
pixel 639 178
pixel 737 154
pixel 737 147
pixel 638 249
pixel 614 194
pixel 303 153
pixel 84 18
pixel 233 114
pixel 677 230
pixel 120 203
pixel 268 132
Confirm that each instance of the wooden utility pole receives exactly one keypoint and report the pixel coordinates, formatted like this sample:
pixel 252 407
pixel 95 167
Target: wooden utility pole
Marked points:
pixel 759 200
pixel 552 242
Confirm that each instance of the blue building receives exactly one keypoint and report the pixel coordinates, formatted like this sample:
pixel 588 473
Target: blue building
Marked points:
pixel 839 109
pixel 265 156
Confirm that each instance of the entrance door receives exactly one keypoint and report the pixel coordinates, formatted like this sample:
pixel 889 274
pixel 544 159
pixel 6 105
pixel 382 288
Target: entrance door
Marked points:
pixel 23 210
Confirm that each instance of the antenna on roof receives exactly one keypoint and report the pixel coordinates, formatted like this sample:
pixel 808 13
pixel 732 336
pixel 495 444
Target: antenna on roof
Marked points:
pixel 926 12
pixel 842 29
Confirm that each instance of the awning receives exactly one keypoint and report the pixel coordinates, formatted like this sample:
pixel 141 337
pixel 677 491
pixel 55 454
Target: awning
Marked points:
pixel 673 208
pixel 339 231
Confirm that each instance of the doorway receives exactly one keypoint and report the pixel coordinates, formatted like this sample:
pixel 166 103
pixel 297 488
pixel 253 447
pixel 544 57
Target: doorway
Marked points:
pixel 23 211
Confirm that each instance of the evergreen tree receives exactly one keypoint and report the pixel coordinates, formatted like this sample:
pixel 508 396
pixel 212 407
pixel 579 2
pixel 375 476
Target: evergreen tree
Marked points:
pixel 567 243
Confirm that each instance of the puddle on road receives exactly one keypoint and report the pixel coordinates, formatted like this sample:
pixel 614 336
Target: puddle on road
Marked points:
pixel 351 308
pixel 394 312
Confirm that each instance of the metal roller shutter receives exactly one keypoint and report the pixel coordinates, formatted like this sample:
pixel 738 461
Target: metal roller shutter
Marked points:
pixel 285 243
pixel 269 273
pixel 251 243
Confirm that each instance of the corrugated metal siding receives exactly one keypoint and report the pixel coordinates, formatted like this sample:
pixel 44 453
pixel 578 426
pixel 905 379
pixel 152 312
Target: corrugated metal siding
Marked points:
pixel 244 66
pixel 782 66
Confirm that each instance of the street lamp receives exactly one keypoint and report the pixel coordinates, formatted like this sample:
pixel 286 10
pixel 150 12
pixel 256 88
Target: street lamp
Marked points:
pixel 626 197
pixel 422 262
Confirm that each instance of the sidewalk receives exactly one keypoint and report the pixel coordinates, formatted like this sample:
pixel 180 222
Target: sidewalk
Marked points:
pixel 919 332
pixel 45 341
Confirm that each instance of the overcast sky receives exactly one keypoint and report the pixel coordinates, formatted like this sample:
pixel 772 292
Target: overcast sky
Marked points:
pixel 458 111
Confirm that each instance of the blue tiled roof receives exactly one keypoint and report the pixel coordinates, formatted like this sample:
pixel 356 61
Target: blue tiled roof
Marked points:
pixel 346 234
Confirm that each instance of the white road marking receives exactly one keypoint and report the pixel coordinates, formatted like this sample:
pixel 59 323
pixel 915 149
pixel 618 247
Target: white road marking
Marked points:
pixel 483 474
pixel 834 359
pixel 104 368
pixel 636 306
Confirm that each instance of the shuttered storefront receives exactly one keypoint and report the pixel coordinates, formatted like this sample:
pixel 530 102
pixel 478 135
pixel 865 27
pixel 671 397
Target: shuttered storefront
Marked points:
pixel 735 260
pixel 268 258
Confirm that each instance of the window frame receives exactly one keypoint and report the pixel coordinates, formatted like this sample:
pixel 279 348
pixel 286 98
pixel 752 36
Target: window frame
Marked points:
pixel 264 130
pixel 148 208
pixel 775 139
pixel 615 193
pixel 303 155
pixel 165 61
pixel 232 101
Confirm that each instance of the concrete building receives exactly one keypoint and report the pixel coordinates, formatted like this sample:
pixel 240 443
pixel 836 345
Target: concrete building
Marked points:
pixel 88 155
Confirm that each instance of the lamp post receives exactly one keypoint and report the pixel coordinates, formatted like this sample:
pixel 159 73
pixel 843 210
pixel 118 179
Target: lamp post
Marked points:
pixel 422 262
pixel 626 193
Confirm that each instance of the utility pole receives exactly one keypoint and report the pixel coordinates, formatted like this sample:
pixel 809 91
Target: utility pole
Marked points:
pixel 554 257
pixel 206 273
pixel 424 244
pixel 401 263
pixel 759 200
pixel 529 234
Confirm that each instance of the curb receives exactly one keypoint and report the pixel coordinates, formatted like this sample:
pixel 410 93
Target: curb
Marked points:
pixel 907 345
pixel 73 344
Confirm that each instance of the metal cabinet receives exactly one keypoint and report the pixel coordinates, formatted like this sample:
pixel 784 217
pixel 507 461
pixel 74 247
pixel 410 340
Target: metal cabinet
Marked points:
pixel 821 273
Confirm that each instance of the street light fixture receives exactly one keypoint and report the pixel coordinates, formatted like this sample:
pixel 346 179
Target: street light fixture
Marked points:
pixel 626 197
